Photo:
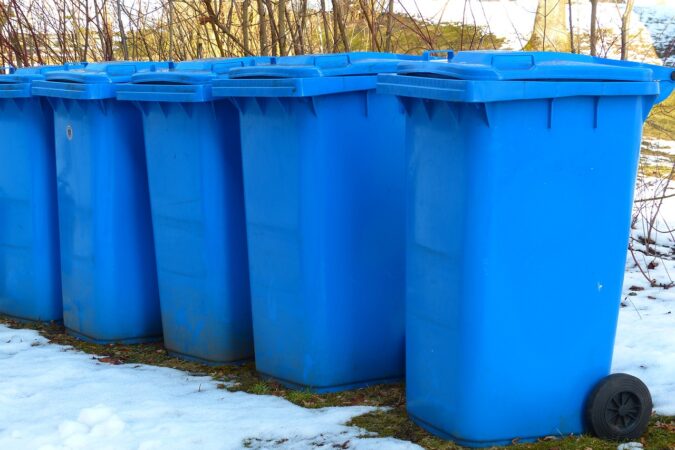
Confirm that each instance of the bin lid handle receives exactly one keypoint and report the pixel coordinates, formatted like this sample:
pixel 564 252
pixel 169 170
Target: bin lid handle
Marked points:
pixel 427 54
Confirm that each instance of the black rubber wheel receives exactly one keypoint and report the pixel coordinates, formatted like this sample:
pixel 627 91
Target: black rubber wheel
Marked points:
pixel 619 408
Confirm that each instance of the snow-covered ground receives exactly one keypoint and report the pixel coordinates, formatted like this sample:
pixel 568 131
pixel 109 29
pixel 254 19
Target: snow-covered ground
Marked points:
pixel 52 397
pixel 55 398
pixel 645 341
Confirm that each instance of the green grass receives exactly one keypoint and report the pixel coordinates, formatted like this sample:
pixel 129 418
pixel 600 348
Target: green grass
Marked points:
pixel 395 423
pixel 661 121
pixel 389 421
pixel 260 388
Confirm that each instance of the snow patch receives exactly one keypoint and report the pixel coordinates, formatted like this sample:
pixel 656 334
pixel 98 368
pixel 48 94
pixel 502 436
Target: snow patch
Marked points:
pixel 54 398
pixel 645 341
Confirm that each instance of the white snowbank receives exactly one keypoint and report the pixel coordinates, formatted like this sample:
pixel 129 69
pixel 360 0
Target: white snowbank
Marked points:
pixel 645 342
pixel 54 398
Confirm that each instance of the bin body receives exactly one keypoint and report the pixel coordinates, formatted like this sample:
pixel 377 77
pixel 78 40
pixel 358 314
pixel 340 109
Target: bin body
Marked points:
pixel 518 218
pixel 107 252
pixel 30 288
pixel 323 179
pixel 196 190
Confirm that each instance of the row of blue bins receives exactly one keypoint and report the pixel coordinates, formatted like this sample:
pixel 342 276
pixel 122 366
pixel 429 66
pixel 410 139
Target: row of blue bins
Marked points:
pixel 354 217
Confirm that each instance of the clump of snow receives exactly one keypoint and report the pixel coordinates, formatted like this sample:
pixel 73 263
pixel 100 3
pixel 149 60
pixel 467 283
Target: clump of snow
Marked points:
pixel 630 446
pixel 54 398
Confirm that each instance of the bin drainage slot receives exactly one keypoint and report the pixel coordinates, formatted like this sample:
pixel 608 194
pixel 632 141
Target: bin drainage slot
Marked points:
pixel 272 77
pixel 163 83
pixel 64 80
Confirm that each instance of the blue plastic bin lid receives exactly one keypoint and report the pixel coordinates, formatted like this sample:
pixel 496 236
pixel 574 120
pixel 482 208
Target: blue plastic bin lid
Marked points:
pixel 501 75
pixel 543 66
pixel 18 83
pixel 199 71
pixel 94 81
pixel 332 65
pixel 187 81
pixel 310 75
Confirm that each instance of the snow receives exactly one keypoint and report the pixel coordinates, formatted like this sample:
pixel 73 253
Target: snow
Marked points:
pixel 52 397
pixel 630 446
pixel 645 341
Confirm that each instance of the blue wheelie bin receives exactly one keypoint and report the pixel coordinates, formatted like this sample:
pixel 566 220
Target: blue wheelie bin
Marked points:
pixel 323 163
pixel 521 169
pixel 196 193
pixel 30 277
pixel 107 252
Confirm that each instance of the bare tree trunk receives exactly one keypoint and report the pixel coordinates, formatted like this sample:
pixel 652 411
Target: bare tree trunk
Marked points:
pixel 371 26
pixel 123 36
pixel 461 36
pixel 245 22
pixel 103 31
pixel 62 33
pixel 170 29
pixel 219 40
pixel 228 24
pixel 302 23
pixel 86 31
pixel 390 28
pixel 572 49
pixel 337 12
pixel 282 27
pixel 262 29
pixel 107 26
pixel 594 32
pixel 625 28
pixel 293 30
pixel 336 30
pixel 274 31
pixel 326 28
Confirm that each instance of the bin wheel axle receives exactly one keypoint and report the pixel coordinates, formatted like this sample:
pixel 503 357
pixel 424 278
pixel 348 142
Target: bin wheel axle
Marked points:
pixel 619 408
